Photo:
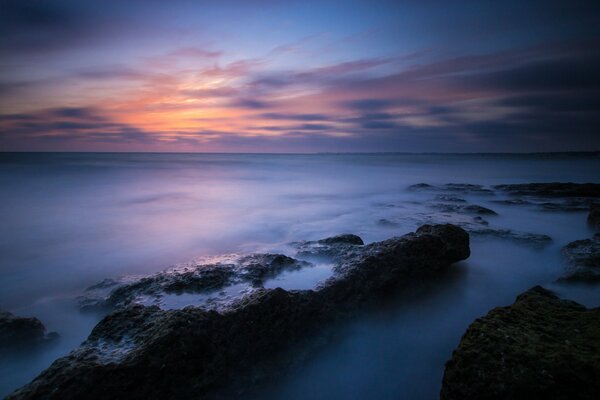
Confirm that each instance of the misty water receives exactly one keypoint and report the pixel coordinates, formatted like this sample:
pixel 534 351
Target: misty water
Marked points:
pixel 71 220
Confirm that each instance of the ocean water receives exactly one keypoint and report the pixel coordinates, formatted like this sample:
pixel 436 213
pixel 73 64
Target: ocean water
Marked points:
pixel 70 220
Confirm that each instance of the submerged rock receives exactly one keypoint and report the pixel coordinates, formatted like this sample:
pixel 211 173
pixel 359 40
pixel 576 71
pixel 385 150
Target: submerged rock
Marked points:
pixel 19 332
pixel 531 239
pixel 583 257
pixel 554 189
pixel 142 352
pixel 466 188
pixel 464 208
pixel 450 198
pixel 540 347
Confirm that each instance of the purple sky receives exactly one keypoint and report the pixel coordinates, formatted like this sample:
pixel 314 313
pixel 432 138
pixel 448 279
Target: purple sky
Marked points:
pixel 299 76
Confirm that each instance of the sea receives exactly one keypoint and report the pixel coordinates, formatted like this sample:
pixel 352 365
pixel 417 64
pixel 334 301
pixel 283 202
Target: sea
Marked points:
pixel 70 220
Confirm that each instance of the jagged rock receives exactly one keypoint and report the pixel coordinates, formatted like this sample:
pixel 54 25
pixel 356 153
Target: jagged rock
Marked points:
pixel 593 218
pixel 253 269
pixel 584 259
pixel 540 347
pixel 147 353
pixel 19 332
pixel 554 189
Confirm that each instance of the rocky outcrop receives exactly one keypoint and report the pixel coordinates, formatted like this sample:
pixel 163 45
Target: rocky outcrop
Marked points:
pixel 19 332
pixel 142 352
pixel 540 347
pixel 583 257
pixel 199 277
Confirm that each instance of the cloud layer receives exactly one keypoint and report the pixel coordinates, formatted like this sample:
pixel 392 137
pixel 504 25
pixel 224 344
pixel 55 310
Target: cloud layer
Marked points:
pixel 349 90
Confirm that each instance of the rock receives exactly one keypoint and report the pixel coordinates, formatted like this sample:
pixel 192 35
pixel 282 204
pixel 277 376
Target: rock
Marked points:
pixel 466 209
pixel 228 270
pixel 540 347
pixel 345 238
pixel 531 239
pixel 329 248
pixel 419 186
pixel 450 198
pixel 514 202
pixel 554 189
pixel 387 222
pixel 17 333
pixel 584 260
pixel 466 188
pixel 593 218
pixel 142 352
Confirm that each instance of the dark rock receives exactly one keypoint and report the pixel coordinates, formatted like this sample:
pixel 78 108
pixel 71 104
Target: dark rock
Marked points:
pixel 514 202
pixel 466 209
pixel 540 347
pixel 568 205
pixel 593 218
pixel 147 353
pixel 332 247
pixel 387 222
pixel 450 198
pixel 18 332
pixel 554 189
pixel 466 188
pixel 345 238
pixel 584 260
pixel 253 269
pixel 419 186
pixel 530 239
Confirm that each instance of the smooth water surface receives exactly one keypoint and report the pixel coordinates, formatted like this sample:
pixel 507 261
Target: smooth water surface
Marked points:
pixel 70 220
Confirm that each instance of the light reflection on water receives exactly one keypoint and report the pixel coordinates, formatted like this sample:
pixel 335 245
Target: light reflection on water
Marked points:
pixel 71 220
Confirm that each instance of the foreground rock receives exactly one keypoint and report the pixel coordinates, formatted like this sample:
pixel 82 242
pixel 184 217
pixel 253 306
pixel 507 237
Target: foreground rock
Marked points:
pixel 583 258
pixel 18 332
pixel 142 352
pixel 540 347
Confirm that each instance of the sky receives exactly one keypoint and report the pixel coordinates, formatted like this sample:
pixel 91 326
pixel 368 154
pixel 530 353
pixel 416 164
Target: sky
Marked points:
pixel 299 76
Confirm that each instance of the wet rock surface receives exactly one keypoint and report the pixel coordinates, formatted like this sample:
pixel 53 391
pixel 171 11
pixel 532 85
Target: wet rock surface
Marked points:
pixel 540 347
pixel 583 257
pixel 140 352
pixel 200 277
pixel 20 332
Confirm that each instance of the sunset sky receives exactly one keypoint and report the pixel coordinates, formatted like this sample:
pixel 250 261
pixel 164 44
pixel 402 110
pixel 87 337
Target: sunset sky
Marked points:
pixel 299 76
